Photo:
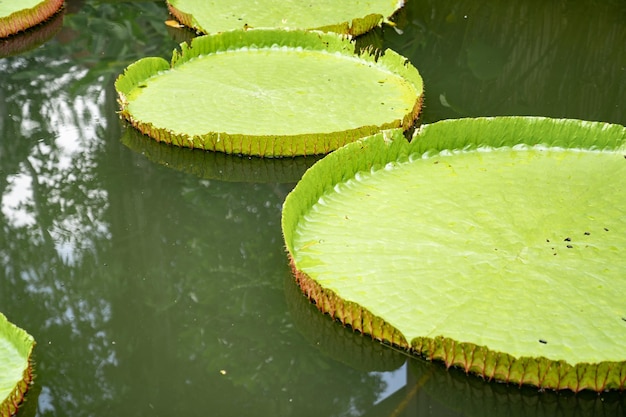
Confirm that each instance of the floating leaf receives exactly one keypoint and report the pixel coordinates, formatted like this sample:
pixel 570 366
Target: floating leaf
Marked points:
pixel 495 245
pixel 19 15
pixel 354 17
pixel 16 347
pixel 269 93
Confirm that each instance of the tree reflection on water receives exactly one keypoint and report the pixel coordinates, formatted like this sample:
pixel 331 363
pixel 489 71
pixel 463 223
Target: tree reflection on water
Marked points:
pixel 152 291
pixel 147 290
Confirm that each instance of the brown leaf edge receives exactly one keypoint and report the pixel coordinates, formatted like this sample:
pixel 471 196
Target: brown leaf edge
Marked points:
pixel 31 39
pixel 540 372
pixel 184 18
pixel 10 404
pixel 27 18
pixel 267 146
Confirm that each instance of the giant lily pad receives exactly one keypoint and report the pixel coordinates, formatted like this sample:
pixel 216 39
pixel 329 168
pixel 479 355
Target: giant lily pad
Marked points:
pixel 495 245
pixel 19 15
pixel 269 93
pixel 353 17
pixel 16 347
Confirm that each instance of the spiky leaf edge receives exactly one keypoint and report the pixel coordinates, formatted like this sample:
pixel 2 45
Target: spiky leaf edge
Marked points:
pixel 373 153
pixel 24 344
pixel 355 27
pixel 27 18
pixel 33 38
pixel 337 342
pixel 137 73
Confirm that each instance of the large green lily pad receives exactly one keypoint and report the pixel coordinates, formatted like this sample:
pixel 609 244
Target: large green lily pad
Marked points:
pixel 19 15
pixel 353 17
pixel 496 245
pixel 269 93
pixel 16 347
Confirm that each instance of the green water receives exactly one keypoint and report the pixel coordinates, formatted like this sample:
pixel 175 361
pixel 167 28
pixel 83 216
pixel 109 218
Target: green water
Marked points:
pixel 155 280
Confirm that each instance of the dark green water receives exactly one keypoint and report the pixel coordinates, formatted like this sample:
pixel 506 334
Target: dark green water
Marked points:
pixel 155 279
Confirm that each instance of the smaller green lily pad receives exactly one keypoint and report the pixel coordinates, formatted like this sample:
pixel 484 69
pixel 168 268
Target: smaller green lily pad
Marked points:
pixel 493 244
pixel 19 15
pixel 269 93
pixel 16 347
pixel 347 17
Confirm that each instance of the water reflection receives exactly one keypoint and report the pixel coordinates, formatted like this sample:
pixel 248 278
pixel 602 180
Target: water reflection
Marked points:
pixel 453 391
pixel 558 59
pixel 218 165
pixel 159 291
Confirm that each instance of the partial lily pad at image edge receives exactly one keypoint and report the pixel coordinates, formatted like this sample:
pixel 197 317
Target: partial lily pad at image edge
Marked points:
pixel 16 347
pixel 494 245
pixel 352 18
pixel 33 38
pixel 269 93
pixel 19 15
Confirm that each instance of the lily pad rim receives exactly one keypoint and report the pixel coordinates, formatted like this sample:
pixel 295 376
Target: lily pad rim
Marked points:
pixel 24 345
pixel 415 146
pixel 27 18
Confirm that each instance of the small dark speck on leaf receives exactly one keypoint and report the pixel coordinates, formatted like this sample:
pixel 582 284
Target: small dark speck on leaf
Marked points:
pixel 587 233
pixel 548 240
pixel 606 230
pixel 624 318
pixel 570 246
pixel 567 239
pixel 543 341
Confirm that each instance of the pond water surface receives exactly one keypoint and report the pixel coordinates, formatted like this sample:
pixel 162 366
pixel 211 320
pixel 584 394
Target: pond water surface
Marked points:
pixel 155 280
